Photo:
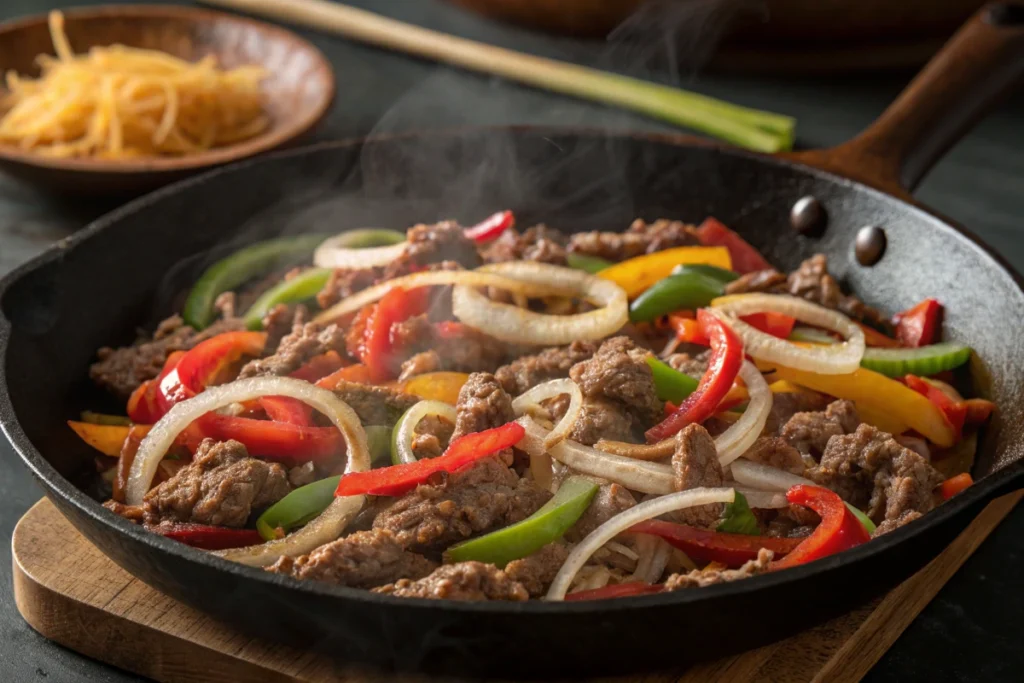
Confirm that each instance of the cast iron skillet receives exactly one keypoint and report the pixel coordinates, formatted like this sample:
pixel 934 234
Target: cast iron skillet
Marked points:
pixel 122 272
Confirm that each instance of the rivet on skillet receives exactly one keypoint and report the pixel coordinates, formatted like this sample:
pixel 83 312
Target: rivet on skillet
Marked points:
pixel 807 216
pixel 870 245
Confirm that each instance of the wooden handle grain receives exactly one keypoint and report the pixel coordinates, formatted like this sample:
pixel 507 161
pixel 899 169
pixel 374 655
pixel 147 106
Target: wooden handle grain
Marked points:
pixel 971 73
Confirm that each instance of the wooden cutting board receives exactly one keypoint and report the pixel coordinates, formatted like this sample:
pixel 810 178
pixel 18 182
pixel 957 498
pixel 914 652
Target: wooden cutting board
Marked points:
pixel 71 593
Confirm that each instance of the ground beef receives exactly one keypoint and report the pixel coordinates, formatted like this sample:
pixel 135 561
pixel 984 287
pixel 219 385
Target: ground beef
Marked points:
pixel 708 577
pixel 482 404
pixel 364 559
pixel 539 243
pixel 641 238
pixel 537 571
pixel 694 366
pixel 432 436
pixel 776 452
pixel 462 581
pixel 788 404
pixel 601 418
pixel 610 500
pixel 447 346
pixel 344 282
pixel 280 321
pixel 484 497
pixel 375 405
pixel 619 371
pixel 220 487
pixel 554 363
pixel 133 513
pixel 888 525
pixel 768 280
pixel 695 464
pixel 420 364
pixel 813 282
pixel 303 474
pixel 791 522
pixel 809 433
pixel 444 241
pixel 870 470
pixel 122 370
pixel 303 343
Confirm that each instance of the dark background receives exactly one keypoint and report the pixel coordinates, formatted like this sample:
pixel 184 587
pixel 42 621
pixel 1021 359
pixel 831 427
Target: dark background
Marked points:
pixel 971 631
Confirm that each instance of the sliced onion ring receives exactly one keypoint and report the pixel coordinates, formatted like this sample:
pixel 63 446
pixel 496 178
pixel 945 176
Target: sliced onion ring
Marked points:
pixel 545 391
pixel 515 325
pixel 352 249
pixel 735 441
pixel 765 478
pixel 405 430
pixel 836 359
pixel 763 499
pixel 471 278
pixel 646 477
pixel 623 521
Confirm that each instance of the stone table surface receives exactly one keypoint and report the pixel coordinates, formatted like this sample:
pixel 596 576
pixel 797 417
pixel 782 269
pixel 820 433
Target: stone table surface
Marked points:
pixel 971 631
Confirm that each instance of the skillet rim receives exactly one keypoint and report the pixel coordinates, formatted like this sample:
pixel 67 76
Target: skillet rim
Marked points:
pixel 53 482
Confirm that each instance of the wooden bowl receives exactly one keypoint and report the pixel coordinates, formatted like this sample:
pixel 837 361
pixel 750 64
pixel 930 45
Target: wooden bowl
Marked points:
pixel 298 90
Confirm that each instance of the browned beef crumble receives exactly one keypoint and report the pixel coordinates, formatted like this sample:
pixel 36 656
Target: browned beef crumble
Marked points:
pixel 537 571
pixel 431 437
pixel 695 464
pixel 527 372
pixel 375 405
pixel 220 487
pixel 483 497
pixel 641 238
pixel 776 452
pixel 870 470
pixel 699 578
pixel 122 370
pixel 303 474
pixel 133 513
pixel 610 500
pixel 601 418
pixel 539 243
pixel 786 405
pixel 482 405
pixel 809 433
pixel 296 348
pixel 458 348
pixel 692 365
pixel 444 241
pixel 768 280
pixel 344 282
pixel 280 321
pixel 364 559
pixel 888 525
pixel 463 581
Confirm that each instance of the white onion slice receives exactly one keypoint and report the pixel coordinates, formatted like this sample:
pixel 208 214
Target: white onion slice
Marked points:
pixel 836 359
pixel 472 278
pixel 515 325
pixel 646 477
pixel 763 499
pixel 624 520
pixel 548 390
pixel 405 430
pixel 734 442
pixel 330 255
pixel 763 477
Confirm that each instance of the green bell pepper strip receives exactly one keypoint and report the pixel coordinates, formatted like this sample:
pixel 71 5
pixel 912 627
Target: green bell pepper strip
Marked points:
pixel 303 286
pixel 297 508
pixel 721 274
pixel 669 383
pixel 921 361
pixel 864 519
pixel 239 267
pixel 524 538
pixel 687 290
pixel 738 518
pixel 590 264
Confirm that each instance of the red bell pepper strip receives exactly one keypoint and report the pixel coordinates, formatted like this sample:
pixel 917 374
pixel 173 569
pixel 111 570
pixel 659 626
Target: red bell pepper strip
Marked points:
pixel 920 325
pixel 839 528
pixel 358 373
pixel 394 307
pixel 285 409
pixel 724 365
pixel 745 258
pixel 491 228
pixel 278 441
pixel 399 479
pixel 690 331
pixel 319 366
pixel 978 410
pixel 954 412
pixel 208 537
pixel 955 485
pixel 701 545
pixel 144 403
pixel 619 590
pixel 206 362
pixel 873 337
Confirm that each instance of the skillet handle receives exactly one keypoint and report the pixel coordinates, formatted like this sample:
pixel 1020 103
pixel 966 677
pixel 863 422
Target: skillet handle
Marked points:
pixel 962 82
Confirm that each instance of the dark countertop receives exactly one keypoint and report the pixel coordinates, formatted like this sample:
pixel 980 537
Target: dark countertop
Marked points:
pixel 971 631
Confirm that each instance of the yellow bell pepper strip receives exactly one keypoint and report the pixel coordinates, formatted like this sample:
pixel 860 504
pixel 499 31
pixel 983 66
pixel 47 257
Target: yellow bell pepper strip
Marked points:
pixel 546 525
pixel 879 393
pixel 107 439
pixel 878 417
pixel 436 386
pixel 637 274
pixel 784 387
